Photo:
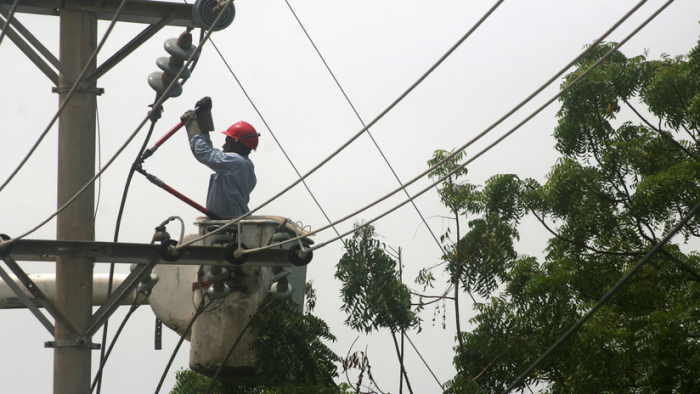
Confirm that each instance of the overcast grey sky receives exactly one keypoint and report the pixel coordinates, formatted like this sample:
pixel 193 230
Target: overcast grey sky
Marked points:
pixel 376 49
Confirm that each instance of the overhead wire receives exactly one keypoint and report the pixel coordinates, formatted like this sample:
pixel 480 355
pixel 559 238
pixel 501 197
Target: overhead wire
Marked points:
pixel 156 107
pixel 676 229
pixel 359 133
pixel 116 235
pixel 139 300
pixel 357 114
pixel 603 300
pixel 72 90
pixel 99 161
pixel 190 65
pixel 381 152
pixel 200 309
pixel 262 118
pixel 476 138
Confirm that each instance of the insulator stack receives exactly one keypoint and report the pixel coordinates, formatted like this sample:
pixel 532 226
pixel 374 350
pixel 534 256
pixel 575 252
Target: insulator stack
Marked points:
pixel 180 50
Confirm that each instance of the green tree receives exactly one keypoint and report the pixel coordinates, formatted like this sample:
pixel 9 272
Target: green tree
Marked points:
pixel 373 295
pixel 628 135
pixel 292 357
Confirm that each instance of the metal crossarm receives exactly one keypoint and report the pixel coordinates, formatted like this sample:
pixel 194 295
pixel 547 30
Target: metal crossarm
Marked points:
pixel 26 301
pixel 41 298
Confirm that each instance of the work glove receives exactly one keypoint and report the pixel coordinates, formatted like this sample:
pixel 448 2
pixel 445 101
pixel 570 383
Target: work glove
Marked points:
pixel 189 119
pixel 204 103
pixel 206 122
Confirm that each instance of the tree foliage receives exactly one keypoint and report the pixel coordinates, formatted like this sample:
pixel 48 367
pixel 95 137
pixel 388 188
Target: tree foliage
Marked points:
pixel 372 294
pixel 374 297
pixel 291 354
pixel 629 139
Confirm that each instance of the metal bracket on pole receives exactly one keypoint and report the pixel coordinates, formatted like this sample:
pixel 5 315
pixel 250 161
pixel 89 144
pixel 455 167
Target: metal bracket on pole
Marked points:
pixel 26 301
pixel 120 55
pixel 67 88
pixel 81 343
pixel 39 295
pixel 27 35
pixel 30 53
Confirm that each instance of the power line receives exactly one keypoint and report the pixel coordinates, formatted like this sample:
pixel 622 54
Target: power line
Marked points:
pixel 357 114
pixel 103 360
pixel 486 131
pixel 424 362
pixel 200 309
pixel 657 247
pixel 353 138
pixel 116 238
pixel 272 134
pixel 99 161
pixel 73 88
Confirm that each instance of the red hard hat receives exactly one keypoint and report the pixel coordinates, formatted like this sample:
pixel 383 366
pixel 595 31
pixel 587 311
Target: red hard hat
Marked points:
pixel 243 132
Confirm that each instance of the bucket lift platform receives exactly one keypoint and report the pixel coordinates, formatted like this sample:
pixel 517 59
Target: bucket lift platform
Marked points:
pixel 182 288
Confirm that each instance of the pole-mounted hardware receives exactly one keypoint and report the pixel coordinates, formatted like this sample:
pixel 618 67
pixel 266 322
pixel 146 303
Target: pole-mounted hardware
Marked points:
pixel 233 254
pixel 5 247
pixel 299 257
pixel 168 252
pixel 281 288
pixel 218 276
pixel 180 49
pixel 204 14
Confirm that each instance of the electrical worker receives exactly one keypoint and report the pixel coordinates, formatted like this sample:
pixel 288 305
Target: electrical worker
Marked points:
pixel 234 174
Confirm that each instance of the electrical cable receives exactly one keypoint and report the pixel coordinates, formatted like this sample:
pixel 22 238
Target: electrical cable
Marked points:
pixel 156 107
pixel 487 130
pixel 273 135
pixel 353 138
pixel 386 160
pixel 73 88
pixel 202 307
pixel 424 362
pixel 116 238
pixel 121 212
pixel 362 122
pixel 99 162
pixel 134 306
pixel 9 20
pixel 657 247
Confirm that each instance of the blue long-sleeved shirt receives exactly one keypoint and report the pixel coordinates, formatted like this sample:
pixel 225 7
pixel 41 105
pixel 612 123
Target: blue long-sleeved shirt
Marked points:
pixel 233 179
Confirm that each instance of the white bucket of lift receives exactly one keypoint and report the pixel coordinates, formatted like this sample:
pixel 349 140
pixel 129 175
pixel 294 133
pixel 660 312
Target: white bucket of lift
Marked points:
pixel 180 289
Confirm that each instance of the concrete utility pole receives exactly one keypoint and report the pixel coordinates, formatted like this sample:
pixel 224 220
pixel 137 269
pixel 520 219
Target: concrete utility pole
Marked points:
pixel 76 166
pixel 76 154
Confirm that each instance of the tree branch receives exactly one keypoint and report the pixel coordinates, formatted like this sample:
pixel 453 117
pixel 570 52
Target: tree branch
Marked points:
pixel 583 245
pixel 658 131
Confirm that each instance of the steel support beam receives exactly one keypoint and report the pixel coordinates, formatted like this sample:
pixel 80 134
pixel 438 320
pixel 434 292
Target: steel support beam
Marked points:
pixel 26 301
pixel 133 253
pixel 30 52
pixel 126 288
pixel 147 33
pixel 136 11
pixel 27 35
pixel 41 298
